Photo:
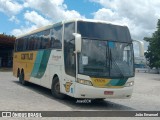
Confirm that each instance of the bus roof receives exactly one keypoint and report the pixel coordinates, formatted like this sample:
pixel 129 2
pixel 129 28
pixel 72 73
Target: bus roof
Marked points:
pixel 95 21
pixel 68 21
pixel 39 29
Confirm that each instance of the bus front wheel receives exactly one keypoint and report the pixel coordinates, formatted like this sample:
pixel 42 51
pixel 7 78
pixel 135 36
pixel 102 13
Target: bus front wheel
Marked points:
pixel 56 89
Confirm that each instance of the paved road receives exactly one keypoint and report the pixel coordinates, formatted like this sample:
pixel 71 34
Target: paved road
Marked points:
pixel 14 96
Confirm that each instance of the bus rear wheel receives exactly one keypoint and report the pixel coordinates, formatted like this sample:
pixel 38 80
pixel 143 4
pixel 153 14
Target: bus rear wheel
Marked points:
pixel 55 89
pixel 18 72
pixel 21 79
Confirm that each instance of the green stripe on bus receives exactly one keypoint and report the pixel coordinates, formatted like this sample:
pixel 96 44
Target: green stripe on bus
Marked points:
pixel 40 64
pixel 117 82
pixel 37 64
pixel 121 82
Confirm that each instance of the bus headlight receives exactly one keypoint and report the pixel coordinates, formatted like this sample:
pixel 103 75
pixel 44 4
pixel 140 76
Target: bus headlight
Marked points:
pixel 128 84
pixel 85 82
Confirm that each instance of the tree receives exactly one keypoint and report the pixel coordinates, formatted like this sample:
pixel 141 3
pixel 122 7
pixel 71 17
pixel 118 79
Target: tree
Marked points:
pixel 3 35
pixel 153 52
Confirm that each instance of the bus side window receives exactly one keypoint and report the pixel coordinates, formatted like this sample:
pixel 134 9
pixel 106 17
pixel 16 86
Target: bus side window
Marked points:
pixel 16 46
pixel 55 43
pixel 30 43
pixel 36 42
pixel 69 48
pixel 39 41
pixel 25 44
pixel 56 37
pixel 45 39
pixel 44 43
pixel 20 45
pixel 52 42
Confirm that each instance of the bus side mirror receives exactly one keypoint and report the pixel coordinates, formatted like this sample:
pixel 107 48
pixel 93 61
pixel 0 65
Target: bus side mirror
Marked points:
pixel 78 42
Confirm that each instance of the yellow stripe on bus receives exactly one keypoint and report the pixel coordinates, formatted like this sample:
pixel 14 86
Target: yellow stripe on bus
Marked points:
pixel 26 61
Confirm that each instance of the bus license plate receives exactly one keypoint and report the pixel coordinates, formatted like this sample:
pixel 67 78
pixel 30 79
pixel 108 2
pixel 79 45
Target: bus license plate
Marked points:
pixel 108 92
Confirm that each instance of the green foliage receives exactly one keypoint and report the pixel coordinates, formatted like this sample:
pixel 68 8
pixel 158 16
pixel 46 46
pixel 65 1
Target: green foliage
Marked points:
pixel 3 35
pixel 153 52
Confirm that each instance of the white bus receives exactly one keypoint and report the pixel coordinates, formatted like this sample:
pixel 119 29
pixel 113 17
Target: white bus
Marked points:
pixel 79 58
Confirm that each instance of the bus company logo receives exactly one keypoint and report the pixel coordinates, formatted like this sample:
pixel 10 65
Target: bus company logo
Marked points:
pixel 56 58
pixel 27 56
pixel 67 86
pixel 6 114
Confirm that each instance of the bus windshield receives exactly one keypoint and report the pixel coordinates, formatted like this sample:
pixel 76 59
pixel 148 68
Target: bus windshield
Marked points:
pixel 107 50
pixel 103 31
pixel 106 59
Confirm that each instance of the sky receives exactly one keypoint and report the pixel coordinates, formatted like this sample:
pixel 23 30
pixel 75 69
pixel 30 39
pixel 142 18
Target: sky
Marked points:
pixel 21 16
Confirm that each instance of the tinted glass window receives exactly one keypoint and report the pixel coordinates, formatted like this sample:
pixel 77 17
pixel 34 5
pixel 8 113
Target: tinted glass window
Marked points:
pixel 15 45
pixel 69 29
pixel 31 42
pixel 25 47
pixel 69 48
pixel 45 39
pixel 106 59
pixel 56 37
pixel 20 44
pixel 36 41
pixel 104 31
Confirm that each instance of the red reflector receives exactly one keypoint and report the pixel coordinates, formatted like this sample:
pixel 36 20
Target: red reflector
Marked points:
pixel 108 92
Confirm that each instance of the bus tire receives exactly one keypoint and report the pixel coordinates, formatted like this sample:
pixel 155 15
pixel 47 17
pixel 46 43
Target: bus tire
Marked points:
pixel 18 72
pixel 21 79
pixel 55 89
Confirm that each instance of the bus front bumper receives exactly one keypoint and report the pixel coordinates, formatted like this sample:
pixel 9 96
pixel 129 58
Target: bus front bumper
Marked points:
pixel 84 91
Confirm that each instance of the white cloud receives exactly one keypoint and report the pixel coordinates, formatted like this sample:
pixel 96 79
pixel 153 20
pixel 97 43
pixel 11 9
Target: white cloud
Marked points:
pixel 71 14
pixel 23 30
pixel 33 21
pixel 35 18
pixel 10 7
pixel 54 9
pixel 140 16
pixel 14 19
